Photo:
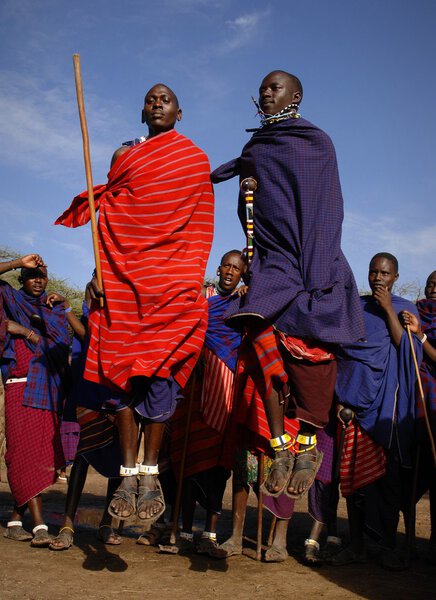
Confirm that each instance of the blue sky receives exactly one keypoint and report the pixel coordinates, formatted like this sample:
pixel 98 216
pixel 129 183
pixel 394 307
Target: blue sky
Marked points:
pixel 367 69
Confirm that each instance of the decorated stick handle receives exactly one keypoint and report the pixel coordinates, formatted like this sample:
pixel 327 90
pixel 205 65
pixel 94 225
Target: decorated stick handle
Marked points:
pixel 248 187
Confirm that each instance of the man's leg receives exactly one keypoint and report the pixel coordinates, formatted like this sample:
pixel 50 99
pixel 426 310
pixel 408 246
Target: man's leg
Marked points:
pixel 274 396
pixel 233 545
pixel 278 551
pixel 188 502
pixel 313 387
pixel 41 538
pixel 123 503
pixel 15 530
pixel 105 532
pixel 150 500
pixel 79 470
pixel 355 552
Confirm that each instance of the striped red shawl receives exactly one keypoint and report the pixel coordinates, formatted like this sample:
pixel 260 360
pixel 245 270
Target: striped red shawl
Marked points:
pixel 155 231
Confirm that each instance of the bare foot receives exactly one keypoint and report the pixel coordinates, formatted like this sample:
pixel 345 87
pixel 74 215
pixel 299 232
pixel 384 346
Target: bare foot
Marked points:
pixel 63 540
pixel 123 504
pixel 151 503
pixel 306 467
pixel 279 474
pixel 231 547
pixel 276 554
pixel 107 535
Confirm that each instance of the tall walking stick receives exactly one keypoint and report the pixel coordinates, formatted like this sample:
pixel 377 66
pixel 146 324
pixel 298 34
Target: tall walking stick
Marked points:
pixel 182 465
pixel 248 187
pixel 260 475
pixel 87 158
pixel 422 397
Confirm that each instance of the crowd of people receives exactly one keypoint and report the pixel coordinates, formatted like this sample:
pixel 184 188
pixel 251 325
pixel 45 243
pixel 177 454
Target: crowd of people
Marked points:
pixel 277 374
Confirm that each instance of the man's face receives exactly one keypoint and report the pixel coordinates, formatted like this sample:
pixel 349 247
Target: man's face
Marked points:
pixel 160 109
pixel 382 273
pixel 34 281
pixel 276 92
pixel 430 287
pixel 230 272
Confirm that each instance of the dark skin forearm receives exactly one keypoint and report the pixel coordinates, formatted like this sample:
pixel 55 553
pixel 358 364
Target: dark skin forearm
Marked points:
pixel 383 299
pixel 415 326
pixel 75 323
pixel 18 330
pixel 31 261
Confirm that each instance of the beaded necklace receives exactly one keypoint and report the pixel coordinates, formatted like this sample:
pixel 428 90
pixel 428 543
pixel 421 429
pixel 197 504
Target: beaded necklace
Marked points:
pixel 290 111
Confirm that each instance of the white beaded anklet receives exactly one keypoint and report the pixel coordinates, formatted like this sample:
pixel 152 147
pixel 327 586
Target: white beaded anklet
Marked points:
pixel 15 524
pixel 310 542
pixel 127 471
pixel 39 527
pixel 148 469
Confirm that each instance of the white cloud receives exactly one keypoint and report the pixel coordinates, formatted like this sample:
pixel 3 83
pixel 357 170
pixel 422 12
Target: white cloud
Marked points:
pixel 242 31
pixel 413 244
pixel 42 133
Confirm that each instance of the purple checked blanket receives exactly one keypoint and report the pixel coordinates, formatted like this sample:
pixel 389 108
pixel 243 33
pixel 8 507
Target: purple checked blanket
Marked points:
pixel 300 280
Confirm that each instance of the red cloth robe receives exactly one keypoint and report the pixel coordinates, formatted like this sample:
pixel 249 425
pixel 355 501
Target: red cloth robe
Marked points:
pixel 155 232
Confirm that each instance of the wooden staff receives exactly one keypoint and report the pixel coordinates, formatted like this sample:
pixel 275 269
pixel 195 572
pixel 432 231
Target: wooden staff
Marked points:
pixel 87 158
pixel 182 463
pixel 260 476
pixel 248 187
pixel 421 395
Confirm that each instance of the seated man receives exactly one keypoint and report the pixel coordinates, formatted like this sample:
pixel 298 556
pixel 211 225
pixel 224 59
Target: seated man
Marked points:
pixel 376 379
pixel 155 231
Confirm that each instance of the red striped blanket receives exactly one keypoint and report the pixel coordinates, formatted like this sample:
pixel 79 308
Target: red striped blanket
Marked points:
pixel 362 462
pixel 155 231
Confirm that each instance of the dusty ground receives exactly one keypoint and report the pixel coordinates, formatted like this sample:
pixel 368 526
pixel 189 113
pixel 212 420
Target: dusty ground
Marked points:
pixel 93 571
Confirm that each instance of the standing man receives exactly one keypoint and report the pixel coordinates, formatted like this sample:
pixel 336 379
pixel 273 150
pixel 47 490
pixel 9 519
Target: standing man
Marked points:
pixel 302 297
pixel 33 361
pixel 155 232
pixel 376 379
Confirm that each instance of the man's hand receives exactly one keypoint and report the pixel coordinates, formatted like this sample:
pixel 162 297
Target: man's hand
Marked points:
pixel 241 291
pixel 412 321
pixel 345 415
pixel 32 261
pixel 94 291
pixel 55 298
pixel 383 297
pixel 16 329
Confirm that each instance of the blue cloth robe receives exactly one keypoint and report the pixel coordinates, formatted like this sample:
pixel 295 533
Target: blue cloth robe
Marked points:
pixel 48 367
pixel 300 280
pixel 377 379
pixel 220 338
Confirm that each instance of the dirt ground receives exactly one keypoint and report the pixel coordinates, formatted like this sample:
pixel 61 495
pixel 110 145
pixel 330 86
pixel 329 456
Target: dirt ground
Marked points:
pixel 91 570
